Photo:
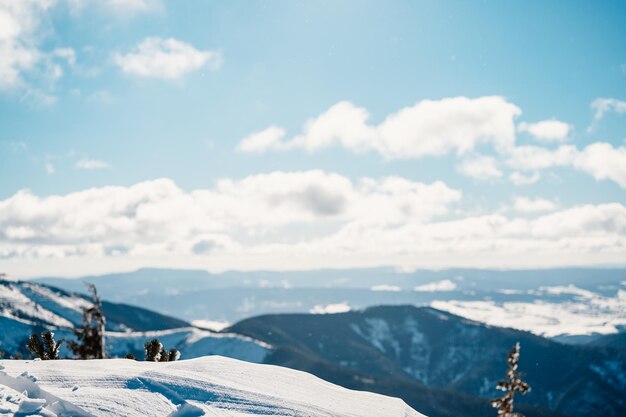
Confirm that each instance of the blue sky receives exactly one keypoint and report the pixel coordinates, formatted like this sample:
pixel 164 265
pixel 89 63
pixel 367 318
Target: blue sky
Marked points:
pixel 126 92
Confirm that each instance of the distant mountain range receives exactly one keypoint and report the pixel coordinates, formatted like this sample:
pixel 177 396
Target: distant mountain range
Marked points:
pixel 441 364
pixel 576 305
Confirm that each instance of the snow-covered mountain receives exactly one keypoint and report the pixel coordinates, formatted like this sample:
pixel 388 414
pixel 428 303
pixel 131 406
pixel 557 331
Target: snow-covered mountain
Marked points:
pixel 208 386
pixel 574 304
pixel 27 307
pixel 400 349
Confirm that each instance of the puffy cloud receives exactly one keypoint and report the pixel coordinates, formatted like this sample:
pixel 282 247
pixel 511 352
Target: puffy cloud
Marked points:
pixel 600 159
pixel 293 220
pixel 91 164
pixel 547 130
pixel 480 167
pixel 533 205
pixel 430 127
pixel 269 138
pixel 537 158
pixel 166 59
pixel 19 24
pixel 603 161
pixel 460 125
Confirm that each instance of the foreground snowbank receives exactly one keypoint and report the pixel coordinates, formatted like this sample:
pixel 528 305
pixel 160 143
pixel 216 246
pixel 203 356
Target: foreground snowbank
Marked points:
pixel 210 386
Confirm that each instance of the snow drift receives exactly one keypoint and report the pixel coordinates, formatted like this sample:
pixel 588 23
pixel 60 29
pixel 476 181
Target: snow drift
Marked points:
pixel 207 386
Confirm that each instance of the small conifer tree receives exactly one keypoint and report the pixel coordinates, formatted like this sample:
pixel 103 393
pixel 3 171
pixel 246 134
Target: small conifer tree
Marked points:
pixel 512 384
pixel 35 346
pixel 155 352
pixel 46 350
pixel 173 355
pixel 91 342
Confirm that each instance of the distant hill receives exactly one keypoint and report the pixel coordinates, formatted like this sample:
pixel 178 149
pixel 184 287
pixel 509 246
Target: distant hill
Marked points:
pixel 28 307
pixel 400 347
pixel 617 341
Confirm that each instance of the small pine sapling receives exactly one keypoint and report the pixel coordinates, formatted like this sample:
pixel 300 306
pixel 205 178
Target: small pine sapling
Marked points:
pixel 174 355
pixel 35 346
pixel 512 384
pixel 51 346
pixel 91 343
pixel 46 350
pixel 153 350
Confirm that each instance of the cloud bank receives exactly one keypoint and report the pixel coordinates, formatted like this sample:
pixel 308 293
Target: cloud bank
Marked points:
pixel 295 220
pixel 430 127
pixel 457 125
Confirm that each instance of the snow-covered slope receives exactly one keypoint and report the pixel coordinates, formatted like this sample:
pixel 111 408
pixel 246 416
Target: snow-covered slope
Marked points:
pixel 28 307
pixel 191 342
pixel 208 386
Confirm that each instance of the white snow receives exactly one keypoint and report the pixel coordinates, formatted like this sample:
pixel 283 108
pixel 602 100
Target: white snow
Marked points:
pixel 590 313
pixel 18 306
pixel 330 308
pixel 211 324
pixel 192 343
pixel 208 386
pixel 443 285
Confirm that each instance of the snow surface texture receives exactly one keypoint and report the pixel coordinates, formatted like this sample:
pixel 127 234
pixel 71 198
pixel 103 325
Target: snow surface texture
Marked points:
pixel 208 386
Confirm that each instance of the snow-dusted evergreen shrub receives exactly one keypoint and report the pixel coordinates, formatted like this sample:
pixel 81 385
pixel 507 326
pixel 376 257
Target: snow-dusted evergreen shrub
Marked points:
pixel 156 353
pixel 91 343
pixel 153 350
pixel 46 350
pixel 512 384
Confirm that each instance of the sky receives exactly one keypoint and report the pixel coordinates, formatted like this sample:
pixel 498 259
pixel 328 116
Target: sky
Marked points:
pixel 290 135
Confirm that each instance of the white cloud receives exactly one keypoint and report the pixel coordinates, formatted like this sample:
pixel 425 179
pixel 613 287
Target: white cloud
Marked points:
pixel 91 164
pixel 269 138
pixel 430 127
pixel 480 167
pixel 20 22
pixel 533 205
pixel 460 125
pixel 519 178
pixel 605 105
pixel 443 285
pixel 296 220
pixel 49 168
pixel 601 160
pixel 386 288
pixel 547 130
pixel 167 59
pixel 532 158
